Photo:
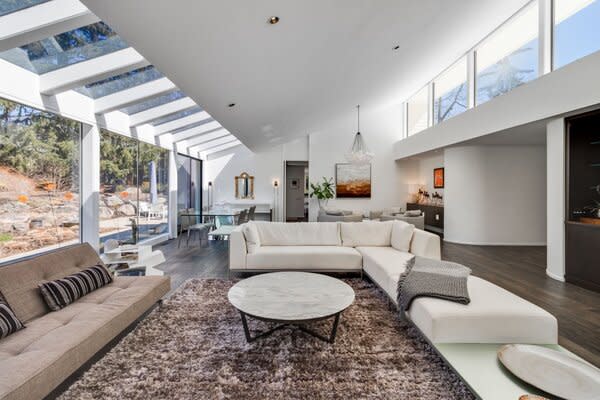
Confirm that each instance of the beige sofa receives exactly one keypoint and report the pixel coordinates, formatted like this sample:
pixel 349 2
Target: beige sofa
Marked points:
pixel 54 345
pixel 494 315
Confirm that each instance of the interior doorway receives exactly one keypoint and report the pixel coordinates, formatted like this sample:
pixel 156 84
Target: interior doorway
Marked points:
pixel 296 191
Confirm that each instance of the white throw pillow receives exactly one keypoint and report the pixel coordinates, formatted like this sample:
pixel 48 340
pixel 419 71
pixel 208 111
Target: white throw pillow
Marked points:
pixel 252 237
pixel 298 233
pixel 371 233
pixel 402 233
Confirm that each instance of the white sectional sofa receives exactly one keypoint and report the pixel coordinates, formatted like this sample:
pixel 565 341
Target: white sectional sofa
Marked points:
pixel 381 250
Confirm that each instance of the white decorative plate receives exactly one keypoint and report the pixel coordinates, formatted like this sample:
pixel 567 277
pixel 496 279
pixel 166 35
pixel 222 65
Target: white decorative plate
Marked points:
pixel 552 371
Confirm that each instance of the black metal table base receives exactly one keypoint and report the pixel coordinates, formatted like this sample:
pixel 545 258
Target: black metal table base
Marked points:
pixel 299 324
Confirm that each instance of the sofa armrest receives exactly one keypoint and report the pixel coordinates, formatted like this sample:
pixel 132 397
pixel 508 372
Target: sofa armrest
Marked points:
pixel 425 244
pixel 237 249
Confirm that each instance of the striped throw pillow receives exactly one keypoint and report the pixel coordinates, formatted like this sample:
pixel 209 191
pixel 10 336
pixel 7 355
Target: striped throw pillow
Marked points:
pixel 9 323
pixel 62 292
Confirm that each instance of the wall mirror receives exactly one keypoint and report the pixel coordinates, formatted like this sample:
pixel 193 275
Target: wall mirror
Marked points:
pixel 244 186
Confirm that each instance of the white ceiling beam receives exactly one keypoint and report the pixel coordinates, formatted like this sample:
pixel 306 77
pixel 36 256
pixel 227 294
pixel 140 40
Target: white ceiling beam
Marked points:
pixel 216 149
pixel 195 131
pixel 42 21
pixel 133 95
pixel 207 137
pixel 184 145
pixel 161 111
pixel 180 123
pixel 213 143
pixel 91 71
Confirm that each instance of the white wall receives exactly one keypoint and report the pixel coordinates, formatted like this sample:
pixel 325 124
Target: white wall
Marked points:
pixel 495 195
pixel 221 168
pixel 426 167
pixel 266 167
pixel 380 129
pixel 555 144
pixel 322 149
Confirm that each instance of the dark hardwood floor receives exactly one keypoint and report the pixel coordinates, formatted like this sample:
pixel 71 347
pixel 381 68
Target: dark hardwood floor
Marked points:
pixel 518 269
pixel 522 270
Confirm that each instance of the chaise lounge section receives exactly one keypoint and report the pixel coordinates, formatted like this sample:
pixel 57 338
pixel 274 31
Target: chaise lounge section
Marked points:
pixel 55 344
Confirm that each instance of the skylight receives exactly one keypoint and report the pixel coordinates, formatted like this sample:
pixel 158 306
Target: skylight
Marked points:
pixel 153 102
pixel 180 114
pixel 65 49
pixel 120 82
pixel 10 6
pixel 110 83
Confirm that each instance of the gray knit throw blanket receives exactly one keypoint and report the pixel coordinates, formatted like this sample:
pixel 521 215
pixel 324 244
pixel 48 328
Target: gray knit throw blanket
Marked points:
pixel 432 278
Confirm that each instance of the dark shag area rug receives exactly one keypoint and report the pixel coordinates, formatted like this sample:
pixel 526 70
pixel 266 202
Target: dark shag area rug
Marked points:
pixel 193 347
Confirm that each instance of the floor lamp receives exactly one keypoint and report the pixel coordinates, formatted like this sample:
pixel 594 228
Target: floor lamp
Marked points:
pixel 275 198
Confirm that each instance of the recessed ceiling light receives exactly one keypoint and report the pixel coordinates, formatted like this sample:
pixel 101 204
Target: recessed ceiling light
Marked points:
pixel 396 47
pixel 231 105
pixel 273 20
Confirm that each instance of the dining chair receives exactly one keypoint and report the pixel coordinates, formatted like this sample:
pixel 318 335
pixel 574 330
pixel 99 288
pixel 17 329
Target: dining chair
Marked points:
pixel 184 223
pixel 243 217
pixel 251 213
pixel 189 225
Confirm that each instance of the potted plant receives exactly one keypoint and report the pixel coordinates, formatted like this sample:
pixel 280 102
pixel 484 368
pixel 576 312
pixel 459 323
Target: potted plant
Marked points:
pixel 322 191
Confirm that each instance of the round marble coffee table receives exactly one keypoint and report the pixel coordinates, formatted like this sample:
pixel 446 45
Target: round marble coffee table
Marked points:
pixel 291 298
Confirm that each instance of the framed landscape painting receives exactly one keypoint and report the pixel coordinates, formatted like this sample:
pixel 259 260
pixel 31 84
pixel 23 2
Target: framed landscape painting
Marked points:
pixel 353 180
pixel 438 178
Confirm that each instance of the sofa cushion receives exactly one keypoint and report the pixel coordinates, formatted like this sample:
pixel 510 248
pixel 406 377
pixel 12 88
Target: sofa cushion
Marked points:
pixel 305 257
pixel 9 323
pixel 370 233
pixel 384 266
pixel 332 211
pixel 55 345
pixel 298 234
pixel 19 281
pixel 402 233
pixel 412 213
pixel 251 236
pixel 425 244
pixel 392 210
pixel 494 315
pixel 60 293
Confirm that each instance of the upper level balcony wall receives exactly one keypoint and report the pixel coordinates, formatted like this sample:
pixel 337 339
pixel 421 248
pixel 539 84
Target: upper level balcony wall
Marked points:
pixel 572 87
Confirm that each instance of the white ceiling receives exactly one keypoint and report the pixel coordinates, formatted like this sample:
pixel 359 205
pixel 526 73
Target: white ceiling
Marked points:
pixel 323 58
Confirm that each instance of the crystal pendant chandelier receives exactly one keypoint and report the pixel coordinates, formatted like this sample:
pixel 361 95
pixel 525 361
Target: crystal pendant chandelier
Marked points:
pixel 359 153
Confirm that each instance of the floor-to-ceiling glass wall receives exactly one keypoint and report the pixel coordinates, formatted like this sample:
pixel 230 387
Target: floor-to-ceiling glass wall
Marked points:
pixel 153 190
pixel 450 92
pixel 508 58
pixel 576 30
pixel 134 189
pixel 39 180
pixel 118 187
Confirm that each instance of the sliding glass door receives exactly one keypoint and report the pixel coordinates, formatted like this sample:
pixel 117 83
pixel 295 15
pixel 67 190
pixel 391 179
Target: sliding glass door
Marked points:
pixel 189 183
